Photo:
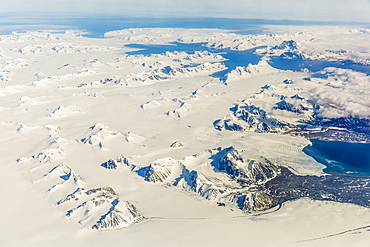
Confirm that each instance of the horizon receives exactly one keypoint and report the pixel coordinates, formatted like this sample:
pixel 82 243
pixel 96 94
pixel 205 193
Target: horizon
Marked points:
pixel 327 10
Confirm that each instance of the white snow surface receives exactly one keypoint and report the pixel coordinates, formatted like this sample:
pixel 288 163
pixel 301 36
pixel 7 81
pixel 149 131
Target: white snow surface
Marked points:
pixel 73 102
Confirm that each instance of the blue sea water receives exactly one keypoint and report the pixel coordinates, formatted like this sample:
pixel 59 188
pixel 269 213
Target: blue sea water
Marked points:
pixel 315 65
pixel 98 25
pixel 243 58
pixel 234 58
pixel 341 157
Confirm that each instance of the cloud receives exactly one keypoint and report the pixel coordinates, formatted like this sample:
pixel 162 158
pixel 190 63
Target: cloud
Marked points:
pixel 344 93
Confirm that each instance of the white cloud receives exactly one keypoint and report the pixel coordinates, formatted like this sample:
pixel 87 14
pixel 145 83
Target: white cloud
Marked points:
pixel 345 93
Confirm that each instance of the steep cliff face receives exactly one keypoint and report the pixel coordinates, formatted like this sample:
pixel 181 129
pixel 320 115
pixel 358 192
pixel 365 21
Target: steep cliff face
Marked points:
pixel 245 170
pixel 117 162
pixel 160 170
pixel 121 214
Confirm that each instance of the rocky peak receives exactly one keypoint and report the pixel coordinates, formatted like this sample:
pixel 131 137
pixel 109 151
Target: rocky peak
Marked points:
pixel 244 169
pixel 118 161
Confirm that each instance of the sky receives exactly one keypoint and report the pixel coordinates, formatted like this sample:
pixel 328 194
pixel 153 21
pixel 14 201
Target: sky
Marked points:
pixel 312 10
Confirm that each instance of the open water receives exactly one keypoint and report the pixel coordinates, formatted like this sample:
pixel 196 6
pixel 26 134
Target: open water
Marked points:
pixel 341 157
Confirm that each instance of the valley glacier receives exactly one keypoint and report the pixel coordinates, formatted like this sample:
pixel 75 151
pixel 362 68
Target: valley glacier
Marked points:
pixel 178 145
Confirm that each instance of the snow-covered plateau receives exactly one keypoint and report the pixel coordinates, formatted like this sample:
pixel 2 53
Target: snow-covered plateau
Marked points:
pixel 107 140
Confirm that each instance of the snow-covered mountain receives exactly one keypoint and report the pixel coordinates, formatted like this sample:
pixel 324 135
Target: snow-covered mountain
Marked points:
pixel 298 108
pixel 240 181
pixel 248 175
pixel 198 140
pixel 263 67
pixel 98 208
pixel 117 162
